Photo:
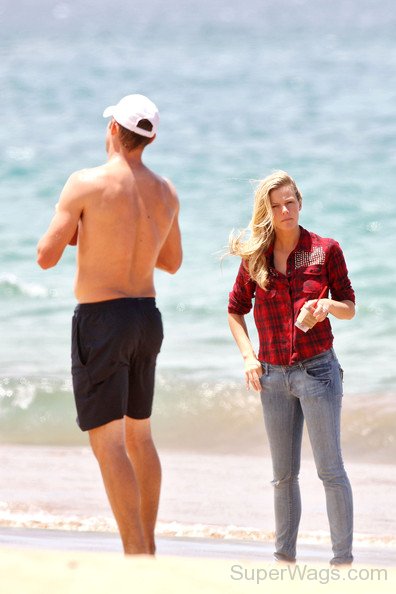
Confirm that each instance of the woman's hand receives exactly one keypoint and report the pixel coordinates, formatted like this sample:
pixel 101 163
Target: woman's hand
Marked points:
pixel 321 311
pixel 253 372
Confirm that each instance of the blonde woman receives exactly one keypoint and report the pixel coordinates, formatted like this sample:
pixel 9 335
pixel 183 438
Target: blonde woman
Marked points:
pixel 285 267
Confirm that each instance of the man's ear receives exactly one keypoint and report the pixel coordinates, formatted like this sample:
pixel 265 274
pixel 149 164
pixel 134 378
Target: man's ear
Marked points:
pixel 152 139
pixel 114 127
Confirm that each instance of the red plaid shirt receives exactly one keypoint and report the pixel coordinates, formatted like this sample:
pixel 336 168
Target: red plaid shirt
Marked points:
pixel 314 263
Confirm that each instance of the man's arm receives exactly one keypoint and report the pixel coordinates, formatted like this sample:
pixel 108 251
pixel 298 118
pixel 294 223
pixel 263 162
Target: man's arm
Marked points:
pixel 63 228
pixel 171 254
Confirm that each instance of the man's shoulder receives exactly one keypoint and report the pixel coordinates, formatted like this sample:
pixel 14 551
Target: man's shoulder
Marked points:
pixel 171 190
pixel 167 189
pixel 81 184
pixel 88 178
pixel 92 175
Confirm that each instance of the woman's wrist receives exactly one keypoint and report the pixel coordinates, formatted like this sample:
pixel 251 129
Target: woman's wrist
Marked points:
pixel 343 310
pixel 328 304
pixel 249 355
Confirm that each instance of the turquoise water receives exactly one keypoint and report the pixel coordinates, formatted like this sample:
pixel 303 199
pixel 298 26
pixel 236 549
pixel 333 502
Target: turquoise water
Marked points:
pixel 243 88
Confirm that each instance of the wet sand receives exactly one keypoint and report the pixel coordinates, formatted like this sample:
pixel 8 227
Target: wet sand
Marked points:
pixel 215 529
pixel 209 548
pixel 202 495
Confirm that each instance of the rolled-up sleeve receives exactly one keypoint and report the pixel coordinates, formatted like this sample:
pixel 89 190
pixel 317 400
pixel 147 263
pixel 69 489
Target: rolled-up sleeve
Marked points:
pixel 339 283
pixel 240 298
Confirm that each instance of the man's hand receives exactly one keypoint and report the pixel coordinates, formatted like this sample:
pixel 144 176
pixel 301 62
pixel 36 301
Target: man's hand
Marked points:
pixel 253 372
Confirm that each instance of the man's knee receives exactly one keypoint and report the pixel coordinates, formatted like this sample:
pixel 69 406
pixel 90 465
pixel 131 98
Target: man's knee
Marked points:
pixel 108 441
pixel 138 434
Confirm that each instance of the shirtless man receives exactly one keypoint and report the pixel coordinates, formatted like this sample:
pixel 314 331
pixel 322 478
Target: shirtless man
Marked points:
pixel 124 220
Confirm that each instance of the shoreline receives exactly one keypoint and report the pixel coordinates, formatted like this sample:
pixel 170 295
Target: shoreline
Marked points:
pixel 23 539
pixel 185 410
pixel 221 497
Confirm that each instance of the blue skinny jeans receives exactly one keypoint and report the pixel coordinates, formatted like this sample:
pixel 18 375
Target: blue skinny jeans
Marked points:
pixel 310 390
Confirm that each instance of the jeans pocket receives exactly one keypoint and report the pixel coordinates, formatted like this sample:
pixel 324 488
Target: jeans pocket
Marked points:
pixel 321 371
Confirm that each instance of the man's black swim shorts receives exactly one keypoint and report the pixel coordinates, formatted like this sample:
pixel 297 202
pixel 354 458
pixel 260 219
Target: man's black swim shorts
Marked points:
pixel 114 350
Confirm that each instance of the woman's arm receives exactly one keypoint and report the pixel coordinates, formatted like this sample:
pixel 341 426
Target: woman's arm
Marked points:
pixel 253 369
pixel 343 310
pixel 342 306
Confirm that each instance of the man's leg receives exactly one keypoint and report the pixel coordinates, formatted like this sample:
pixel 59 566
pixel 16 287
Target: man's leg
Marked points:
pixel 143 455
pixel 108 445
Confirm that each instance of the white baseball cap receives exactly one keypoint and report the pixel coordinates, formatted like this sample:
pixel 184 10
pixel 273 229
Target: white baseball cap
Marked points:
pixel 130 110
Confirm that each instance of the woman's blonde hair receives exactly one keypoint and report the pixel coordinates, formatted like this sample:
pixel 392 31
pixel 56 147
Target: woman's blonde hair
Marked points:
pixel 261 227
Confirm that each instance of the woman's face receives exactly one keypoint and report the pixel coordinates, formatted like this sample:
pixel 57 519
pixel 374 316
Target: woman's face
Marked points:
pixel 285 208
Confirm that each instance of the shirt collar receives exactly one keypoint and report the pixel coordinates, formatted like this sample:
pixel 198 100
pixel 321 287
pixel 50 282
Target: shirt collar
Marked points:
pixel 304 243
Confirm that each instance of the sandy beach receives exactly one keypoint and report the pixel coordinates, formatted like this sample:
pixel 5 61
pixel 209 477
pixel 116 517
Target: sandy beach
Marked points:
pixel 64 573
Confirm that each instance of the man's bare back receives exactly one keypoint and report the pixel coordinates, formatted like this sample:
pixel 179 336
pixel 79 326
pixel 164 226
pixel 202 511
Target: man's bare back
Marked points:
pixel 127 220
pixel 124 226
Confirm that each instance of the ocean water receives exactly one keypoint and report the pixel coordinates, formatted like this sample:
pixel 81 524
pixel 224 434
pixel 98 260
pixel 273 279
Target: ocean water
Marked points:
pixel 243 89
